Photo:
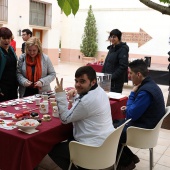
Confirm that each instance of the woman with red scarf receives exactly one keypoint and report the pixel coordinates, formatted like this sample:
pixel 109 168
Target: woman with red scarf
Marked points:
pixel 35 71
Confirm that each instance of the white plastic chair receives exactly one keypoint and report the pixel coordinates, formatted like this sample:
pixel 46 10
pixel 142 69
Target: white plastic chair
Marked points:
pixel 144 138
pixel 91 157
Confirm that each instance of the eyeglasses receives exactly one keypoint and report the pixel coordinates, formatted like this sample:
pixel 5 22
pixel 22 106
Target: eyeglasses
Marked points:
pixel 23 35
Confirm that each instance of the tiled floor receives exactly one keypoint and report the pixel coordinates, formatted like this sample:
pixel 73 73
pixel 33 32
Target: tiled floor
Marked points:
pixel 161 151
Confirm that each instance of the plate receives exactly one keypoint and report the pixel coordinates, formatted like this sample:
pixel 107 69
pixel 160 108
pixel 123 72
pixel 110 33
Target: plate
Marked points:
pixel 28 124
pixel 114 95
pixel 5 114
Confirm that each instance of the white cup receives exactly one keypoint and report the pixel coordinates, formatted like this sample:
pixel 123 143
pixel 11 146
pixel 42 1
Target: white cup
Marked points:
pixel 43 107
pixel 45 97
pixel 55 111
pixel 52 100
pixel 37 101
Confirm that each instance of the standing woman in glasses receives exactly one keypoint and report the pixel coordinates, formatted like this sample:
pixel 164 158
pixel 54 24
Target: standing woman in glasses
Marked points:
pixel 116 62
pixel 8 66
pixel 35 71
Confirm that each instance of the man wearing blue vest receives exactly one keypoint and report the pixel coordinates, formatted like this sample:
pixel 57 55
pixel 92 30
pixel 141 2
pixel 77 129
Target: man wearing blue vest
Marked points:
pixel 145 107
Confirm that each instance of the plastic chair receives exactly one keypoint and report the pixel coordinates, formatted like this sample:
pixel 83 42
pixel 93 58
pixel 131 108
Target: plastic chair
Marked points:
pixel 144 138
pixel 91 157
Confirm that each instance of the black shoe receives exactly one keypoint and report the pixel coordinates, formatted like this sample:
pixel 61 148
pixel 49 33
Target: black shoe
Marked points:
pixel 135 159
pixel 127 167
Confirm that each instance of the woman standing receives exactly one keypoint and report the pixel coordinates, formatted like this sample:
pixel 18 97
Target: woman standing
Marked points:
pixel 8 66
pixel 116 62
pixel 35 71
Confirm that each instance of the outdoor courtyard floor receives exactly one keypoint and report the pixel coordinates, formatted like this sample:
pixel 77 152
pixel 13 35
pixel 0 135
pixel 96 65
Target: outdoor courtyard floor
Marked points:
pixel 161 151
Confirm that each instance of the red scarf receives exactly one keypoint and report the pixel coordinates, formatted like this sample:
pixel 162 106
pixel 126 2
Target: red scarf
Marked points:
pixel 37 72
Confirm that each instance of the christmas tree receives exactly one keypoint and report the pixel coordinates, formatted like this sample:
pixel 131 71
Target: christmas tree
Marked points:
pixel 89 40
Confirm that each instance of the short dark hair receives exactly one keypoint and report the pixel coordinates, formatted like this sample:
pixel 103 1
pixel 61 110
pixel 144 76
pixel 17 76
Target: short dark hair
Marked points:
pixel 27 31
pixel 5 33
pixel 88 70
pixel 139 65
pixel 117 33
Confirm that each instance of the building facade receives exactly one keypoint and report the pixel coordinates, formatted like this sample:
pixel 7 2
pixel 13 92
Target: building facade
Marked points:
pixel 41 17
pixel 145 30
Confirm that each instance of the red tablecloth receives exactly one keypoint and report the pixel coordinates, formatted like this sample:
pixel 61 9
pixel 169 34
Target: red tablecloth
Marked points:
pixel 115 108
pixel 20 151
pixel 96 67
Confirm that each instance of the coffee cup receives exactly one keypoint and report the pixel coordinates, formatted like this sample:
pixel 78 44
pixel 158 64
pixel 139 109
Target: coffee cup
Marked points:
pixel 54 103
pixel 37 101
pixel 45 97
pixel 43 107
pixel 52 100
pixel 55 111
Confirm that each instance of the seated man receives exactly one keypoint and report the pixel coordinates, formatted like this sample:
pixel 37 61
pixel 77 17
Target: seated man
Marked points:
pixel 145 107
pixel 90 114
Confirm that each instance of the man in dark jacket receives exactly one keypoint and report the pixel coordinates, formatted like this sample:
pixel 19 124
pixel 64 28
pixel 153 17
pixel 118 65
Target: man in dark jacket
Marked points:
pixel 116 62
pixel 145 107
pixel 26 34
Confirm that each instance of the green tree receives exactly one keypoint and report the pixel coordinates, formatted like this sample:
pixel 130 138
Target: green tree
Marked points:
pixel 69 6
pixel 89 40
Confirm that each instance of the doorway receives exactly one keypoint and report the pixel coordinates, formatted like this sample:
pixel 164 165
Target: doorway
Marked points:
pixel 38 33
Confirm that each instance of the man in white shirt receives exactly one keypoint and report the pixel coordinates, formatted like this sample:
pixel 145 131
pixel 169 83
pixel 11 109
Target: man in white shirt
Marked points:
pixel 90 114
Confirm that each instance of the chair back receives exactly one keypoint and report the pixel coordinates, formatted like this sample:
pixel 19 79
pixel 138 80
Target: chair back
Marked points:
pixel 145 138
pixel 100 157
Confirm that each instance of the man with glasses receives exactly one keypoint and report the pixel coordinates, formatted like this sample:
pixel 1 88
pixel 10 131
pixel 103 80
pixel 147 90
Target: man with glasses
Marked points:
pixel 26 34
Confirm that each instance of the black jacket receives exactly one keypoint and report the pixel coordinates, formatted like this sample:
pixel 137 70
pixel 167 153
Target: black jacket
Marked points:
pixel 116 63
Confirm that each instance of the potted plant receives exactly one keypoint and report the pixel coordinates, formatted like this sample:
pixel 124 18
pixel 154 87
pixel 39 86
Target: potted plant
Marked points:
pixel 89 44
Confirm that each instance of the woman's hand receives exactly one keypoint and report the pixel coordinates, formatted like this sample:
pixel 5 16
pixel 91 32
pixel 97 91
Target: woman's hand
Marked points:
pixel 27 83
pixel 38 84
pixel 59 86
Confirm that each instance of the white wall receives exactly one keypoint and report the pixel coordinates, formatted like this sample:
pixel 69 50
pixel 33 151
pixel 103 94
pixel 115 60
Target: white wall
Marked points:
pixel 126 15
pixel 21 8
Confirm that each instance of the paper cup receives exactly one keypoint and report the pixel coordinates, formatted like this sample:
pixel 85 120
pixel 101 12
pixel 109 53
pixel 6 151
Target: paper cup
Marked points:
pixel 52 100
pixel 37 101
pixel 54 103
pixel 55 111
pixel 45 97
pixel 43 107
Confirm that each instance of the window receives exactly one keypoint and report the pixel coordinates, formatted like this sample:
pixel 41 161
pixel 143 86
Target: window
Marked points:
pixel 40 14
pixel 3 10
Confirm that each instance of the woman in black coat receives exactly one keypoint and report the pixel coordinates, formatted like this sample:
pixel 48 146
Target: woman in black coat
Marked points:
pixel 116 62
pixel 8 66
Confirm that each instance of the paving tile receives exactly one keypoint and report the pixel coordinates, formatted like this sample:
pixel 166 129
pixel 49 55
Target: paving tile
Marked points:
pixel 144 154
pixel 164 160
pixel 67 70
pixel 160 167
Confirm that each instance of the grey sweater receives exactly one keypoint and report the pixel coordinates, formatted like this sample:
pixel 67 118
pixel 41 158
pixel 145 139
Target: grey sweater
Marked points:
pixel 48 74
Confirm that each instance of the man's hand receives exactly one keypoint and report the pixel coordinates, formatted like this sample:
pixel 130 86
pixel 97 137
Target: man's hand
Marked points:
pixel 135 88
pixel 59 87
pixel 71 93
pixel 123 109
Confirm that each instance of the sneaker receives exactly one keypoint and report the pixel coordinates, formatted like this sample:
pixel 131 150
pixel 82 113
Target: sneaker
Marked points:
pixel 135 159
pixel 128 167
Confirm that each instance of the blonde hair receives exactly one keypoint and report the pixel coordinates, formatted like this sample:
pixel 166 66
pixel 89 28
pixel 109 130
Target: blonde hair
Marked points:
pixel 33 41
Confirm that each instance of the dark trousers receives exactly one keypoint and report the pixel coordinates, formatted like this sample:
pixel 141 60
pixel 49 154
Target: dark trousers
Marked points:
pixel 127 154
pixel 9 95
pixel 61 156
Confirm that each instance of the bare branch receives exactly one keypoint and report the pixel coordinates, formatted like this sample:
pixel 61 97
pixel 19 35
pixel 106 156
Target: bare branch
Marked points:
pixel 161 8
